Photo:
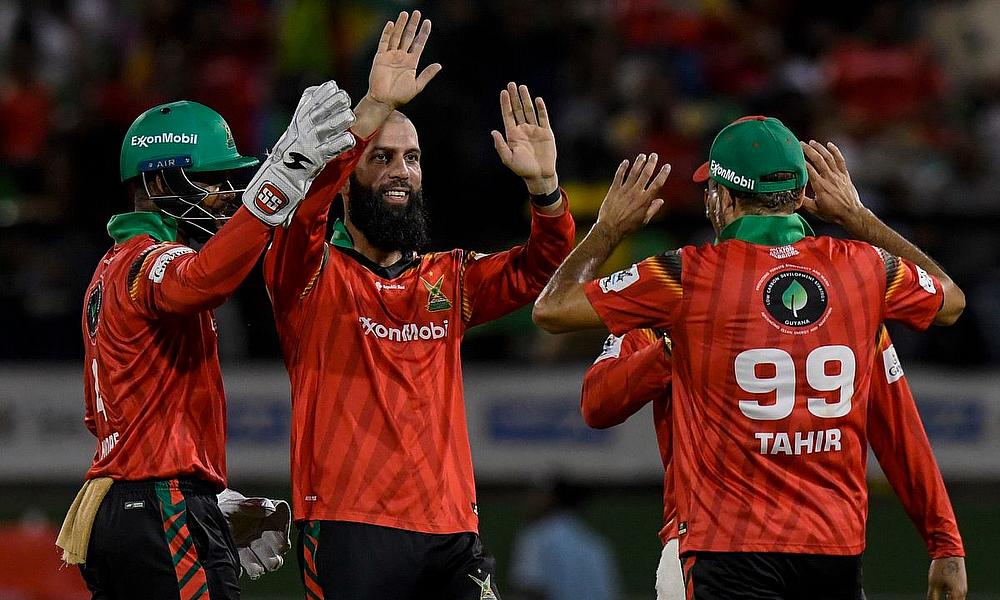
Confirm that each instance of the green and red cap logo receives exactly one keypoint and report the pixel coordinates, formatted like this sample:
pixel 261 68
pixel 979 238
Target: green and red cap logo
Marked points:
pixel 750 148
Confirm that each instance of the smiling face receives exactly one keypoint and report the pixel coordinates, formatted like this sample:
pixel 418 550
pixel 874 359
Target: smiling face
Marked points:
pixel 384 197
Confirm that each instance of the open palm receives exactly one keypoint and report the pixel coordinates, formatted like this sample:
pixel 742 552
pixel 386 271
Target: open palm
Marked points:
pixel 393 80
pixel 528 146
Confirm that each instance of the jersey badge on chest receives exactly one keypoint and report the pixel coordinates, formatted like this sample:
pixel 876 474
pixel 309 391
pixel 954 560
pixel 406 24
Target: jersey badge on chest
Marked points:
pixel 436 300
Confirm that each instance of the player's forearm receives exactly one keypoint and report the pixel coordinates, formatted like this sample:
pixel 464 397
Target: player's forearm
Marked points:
pixel 615 389
pixel 500 283
pixel 543 186
pixel 864 225
pixel 553 233
pixel 206 279
pixel 371 115
pixel 563 306
pixel 296 252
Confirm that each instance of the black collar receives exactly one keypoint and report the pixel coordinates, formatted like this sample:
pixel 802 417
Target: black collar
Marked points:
pixel 391 272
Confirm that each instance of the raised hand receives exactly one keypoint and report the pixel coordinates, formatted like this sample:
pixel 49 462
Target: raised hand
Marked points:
pixel 632 199
pixel 527 146
pixel 318 132
pixel 393 80
pixel 837 200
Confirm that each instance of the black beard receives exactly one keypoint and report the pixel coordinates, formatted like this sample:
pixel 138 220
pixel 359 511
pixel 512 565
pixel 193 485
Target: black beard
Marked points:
pixel 389 227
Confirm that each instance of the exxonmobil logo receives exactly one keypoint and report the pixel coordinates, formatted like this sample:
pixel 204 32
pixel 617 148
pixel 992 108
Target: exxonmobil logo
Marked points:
pixel 407 332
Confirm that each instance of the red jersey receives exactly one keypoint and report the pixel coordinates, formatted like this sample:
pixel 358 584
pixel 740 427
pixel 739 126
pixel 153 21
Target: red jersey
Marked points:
pixel 152 383
pixel 379 431
pixel 768 400
pixel 634 370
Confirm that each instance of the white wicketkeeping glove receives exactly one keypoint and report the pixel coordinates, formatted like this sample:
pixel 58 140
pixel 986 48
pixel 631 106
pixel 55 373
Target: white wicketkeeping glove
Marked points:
pixel 319 131
pixel 260 529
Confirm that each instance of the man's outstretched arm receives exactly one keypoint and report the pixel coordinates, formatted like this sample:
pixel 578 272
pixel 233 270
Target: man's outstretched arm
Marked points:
pixel 296 254
pixel 630 203
pixel 496 284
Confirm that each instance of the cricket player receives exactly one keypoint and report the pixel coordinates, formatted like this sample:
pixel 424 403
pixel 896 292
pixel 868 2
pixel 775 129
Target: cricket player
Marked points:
pixel 634 370
pixel 371 329
pixel 146 523
pixel 768 326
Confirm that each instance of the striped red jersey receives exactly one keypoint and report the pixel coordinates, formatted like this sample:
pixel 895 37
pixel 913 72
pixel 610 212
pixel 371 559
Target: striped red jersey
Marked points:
pixel 768 400
pixel 152 384
pixel 379 431
pixel 632 371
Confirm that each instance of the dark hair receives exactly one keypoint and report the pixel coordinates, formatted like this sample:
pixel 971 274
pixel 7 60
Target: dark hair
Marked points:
pixel 769 202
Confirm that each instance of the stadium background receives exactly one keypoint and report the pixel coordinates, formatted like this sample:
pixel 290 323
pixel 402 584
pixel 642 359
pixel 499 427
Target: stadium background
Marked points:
pixel 910 90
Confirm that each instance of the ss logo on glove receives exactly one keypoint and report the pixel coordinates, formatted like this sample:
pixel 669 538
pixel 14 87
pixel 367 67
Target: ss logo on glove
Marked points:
pixel 270 199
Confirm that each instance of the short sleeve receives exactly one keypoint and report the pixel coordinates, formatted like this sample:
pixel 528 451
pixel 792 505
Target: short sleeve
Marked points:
pixel 646 295
pixel 912 295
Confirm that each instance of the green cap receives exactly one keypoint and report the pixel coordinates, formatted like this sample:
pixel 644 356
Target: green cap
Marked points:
pixel 181 134
pixel 750 148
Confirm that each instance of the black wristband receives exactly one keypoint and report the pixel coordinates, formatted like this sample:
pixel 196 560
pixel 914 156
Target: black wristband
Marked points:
pixel 547 200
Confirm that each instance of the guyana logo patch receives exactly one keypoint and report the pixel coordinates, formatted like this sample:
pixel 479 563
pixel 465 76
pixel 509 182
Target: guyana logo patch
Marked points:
pixel 436 300
pixel 795 301
pixel 94 308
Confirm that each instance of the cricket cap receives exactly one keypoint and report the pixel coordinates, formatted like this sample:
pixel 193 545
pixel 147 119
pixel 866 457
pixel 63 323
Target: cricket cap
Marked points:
pixel 750 148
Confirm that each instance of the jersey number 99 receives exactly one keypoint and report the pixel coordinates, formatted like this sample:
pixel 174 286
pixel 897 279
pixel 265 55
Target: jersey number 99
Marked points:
pixel 783 382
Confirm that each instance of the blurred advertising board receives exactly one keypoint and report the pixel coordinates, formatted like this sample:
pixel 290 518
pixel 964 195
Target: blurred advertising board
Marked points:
pixel 524 425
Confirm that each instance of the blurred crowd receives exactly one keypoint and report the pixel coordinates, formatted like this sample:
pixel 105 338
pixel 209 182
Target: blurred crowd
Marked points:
pixel 910 90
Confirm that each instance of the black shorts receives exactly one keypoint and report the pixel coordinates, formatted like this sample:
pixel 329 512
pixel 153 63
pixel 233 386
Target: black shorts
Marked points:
pixel 162 540
pixel 771 576
pixel 340 560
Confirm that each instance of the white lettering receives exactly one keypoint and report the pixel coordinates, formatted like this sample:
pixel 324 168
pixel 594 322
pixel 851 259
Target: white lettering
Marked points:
pixel 781 444
pixel 798 442
pixel 926 281
pixel 107 445
pixel 832 440
pixel 617 282
pixel 781 252
pixel 803 445
pixel 167 137
pixel 893 368
pixel 731 176
pixel 404 333
pixel 764 439
pixel 159 268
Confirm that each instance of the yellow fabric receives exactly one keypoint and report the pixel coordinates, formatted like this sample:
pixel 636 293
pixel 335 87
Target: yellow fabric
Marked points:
pixel 74 537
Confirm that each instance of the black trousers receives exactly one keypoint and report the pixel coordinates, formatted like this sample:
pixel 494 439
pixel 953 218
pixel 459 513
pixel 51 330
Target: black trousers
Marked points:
pixel 161 540
pixel 771 576
pixel 340 560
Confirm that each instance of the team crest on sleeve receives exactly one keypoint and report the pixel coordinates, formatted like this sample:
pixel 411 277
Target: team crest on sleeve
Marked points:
pixel 159 268
pixel 893 368
pixel 612 348
pixel 617 282
pixel 925 280
pixel 795 300
pixel 436 299
pixel 94 301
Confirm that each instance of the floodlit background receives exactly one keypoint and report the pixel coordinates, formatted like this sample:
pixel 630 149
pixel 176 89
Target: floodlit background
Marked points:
pixel 909 90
